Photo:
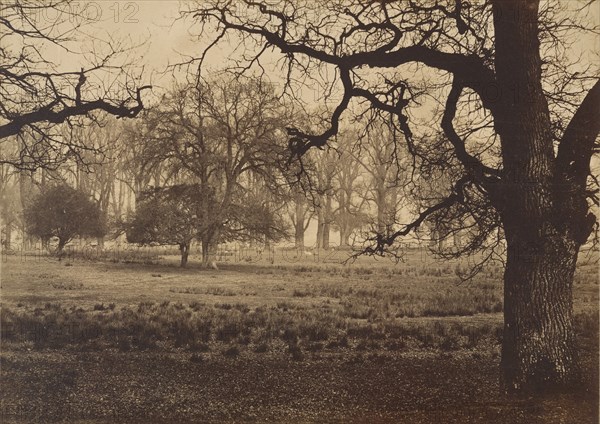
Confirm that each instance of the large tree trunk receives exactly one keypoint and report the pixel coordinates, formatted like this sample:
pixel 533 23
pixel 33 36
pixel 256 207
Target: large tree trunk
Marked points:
pixel 538 347
pixel 299 237
pixel 344 237
pixel 323 223
pixel 538 351
pixel 209 252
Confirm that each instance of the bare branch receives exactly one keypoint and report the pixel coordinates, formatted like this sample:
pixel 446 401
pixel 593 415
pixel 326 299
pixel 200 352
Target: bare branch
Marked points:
pixel 576 147
pixel 49 113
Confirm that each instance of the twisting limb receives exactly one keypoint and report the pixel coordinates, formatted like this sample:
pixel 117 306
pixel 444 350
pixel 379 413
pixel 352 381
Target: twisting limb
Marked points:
pixel 380 242
pixel 479 172
pixel 577 144
pixel 48 113
pixel 300 142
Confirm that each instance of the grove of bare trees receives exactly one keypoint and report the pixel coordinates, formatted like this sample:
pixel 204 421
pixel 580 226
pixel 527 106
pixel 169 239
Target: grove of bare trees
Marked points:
pixel 517 119
pixel 474 122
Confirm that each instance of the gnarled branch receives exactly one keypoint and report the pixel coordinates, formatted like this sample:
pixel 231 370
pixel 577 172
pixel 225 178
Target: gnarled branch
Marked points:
pixel 48 113
pixel 474 167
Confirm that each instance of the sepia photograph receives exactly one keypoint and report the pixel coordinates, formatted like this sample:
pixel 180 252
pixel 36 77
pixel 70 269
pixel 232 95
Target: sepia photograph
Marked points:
pixel 299 211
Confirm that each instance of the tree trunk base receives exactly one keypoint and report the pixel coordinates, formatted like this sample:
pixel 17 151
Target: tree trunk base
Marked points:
pixel 538 349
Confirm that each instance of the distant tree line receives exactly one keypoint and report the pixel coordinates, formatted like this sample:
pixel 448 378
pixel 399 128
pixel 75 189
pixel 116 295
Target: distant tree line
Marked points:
pixel 208 164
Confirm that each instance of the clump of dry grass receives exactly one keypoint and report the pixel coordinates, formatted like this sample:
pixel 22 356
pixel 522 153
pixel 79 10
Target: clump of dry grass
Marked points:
pixel 178 326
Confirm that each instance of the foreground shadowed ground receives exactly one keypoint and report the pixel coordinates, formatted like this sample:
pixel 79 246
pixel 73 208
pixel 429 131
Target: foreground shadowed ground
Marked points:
pixel 115 343
pixel 154 388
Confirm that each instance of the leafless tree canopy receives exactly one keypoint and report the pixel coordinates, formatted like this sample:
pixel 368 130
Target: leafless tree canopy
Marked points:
pixel 36 93
pixel 498 114
pixel 453 43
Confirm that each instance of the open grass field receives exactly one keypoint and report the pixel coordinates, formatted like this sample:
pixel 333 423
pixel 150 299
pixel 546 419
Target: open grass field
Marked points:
pixel 113 342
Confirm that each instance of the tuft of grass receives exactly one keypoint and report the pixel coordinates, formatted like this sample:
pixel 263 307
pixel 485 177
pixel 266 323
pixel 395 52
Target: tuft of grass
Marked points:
pixel 196 358
pixel 295 352
pixel 227 331
pixel 301 293
pixel 232 351
pixel 261 348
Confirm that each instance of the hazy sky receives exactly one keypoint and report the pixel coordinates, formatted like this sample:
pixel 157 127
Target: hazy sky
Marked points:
pixel 147 25
pixel 152 24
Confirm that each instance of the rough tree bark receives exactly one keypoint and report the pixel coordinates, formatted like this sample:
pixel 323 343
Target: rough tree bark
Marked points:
pixel 538 349
pixel 326 232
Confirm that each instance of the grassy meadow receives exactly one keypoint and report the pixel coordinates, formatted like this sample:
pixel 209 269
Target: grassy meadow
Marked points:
pixel 293 341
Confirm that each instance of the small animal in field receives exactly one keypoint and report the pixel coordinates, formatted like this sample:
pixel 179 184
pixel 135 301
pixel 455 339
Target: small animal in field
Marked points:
pixel 213 265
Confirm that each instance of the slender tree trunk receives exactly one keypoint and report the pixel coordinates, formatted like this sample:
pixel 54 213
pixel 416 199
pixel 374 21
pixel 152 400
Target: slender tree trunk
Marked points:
pixel 343 218
pixel 45 244
pixel 381 207
pixel 8 236
pixel 104 213
pixel 320 225
pixel 299 222
pixel 185 251
pixel 326 223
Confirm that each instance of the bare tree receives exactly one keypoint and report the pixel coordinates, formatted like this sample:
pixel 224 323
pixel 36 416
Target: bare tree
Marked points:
pixel 96 172
pixel 350 214
pixel 301 212
pixel 483 56
pixel 381 159
pixel 138 170
pixel 9 204
pixel 213 134
pixel 36 95
pixel 326 168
